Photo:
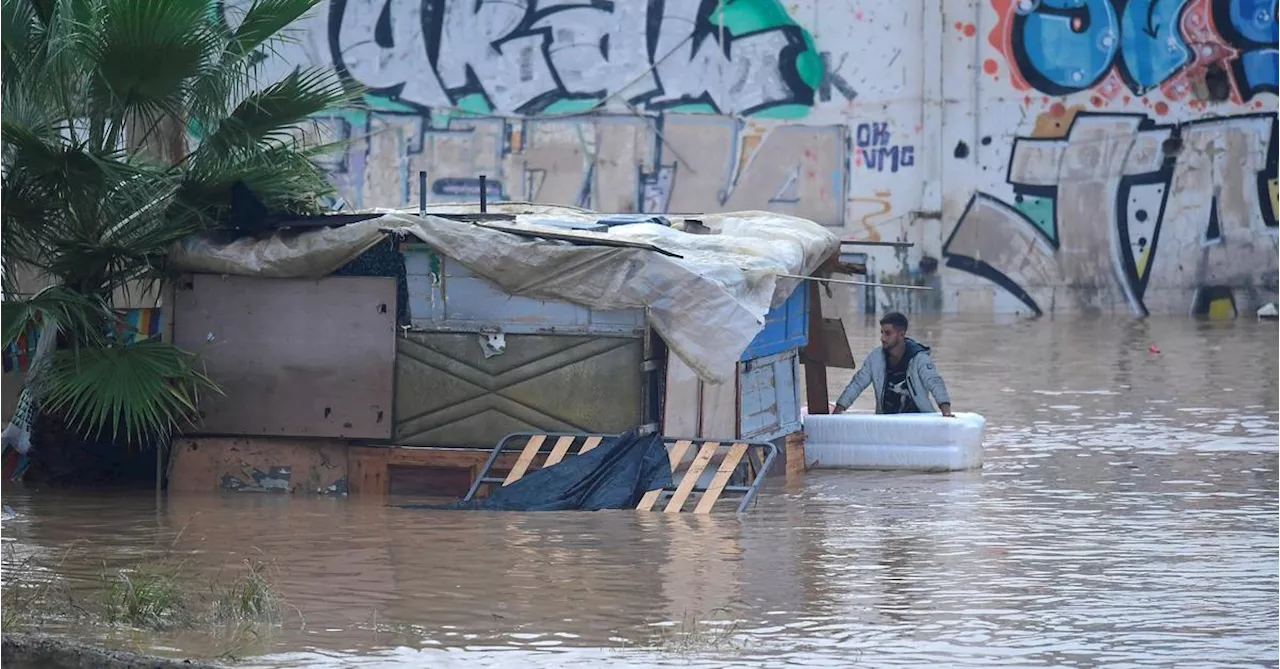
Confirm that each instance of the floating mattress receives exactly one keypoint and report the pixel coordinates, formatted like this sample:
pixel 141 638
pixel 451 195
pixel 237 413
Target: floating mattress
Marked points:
pixel 917 442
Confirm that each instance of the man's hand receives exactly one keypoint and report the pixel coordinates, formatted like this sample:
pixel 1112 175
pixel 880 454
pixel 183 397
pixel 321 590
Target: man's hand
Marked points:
pixel 946 410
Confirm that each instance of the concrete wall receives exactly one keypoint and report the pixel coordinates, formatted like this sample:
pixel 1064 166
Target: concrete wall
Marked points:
pixel 1051 155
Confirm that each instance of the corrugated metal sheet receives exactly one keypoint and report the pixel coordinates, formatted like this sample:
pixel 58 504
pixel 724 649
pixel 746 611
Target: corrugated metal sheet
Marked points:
pixel 769 396
pixel 294 357
pixel 446 296
pixel 786 327
pixel 449 394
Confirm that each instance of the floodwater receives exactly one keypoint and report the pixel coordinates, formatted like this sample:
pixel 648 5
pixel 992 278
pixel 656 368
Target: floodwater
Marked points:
pixel 1126 516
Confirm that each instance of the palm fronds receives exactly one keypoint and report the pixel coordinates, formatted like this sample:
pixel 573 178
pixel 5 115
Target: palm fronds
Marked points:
pixel 100 178
pixel 136 393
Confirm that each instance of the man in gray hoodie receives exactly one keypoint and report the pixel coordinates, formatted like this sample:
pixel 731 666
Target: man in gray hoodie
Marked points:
pixel 900 372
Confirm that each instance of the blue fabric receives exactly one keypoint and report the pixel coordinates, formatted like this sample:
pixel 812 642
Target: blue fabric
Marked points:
pixel 613 475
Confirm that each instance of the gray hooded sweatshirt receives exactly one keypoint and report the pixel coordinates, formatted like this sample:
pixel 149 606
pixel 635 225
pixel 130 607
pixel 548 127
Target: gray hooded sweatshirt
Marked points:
pixel 922 379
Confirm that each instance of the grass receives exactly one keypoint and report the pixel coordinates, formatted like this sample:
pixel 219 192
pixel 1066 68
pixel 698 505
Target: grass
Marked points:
pixel 250 597
pixel 153 597
pixel 146 596
pixel 35 597
pixel 695 635
pixel 151 594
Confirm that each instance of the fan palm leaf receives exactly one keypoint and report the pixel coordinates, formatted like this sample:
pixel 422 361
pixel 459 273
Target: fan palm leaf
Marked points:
pixel 138 393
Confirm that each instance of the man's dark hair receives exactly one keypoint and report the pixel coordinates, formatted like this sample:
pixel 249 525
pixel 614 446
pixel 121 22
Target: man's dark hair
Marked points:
pixel 895 319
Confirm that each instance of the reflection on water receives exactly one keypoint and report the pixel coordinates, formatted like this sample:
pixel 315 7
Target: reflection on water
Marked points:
pixel 1126 515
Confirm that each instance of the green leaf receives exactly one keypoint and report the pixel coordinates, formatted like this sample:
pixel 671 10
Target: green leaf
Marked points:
pixel 138 394
pixel 274 113
pixel 263 22
pixel 146 52
pixel 59 306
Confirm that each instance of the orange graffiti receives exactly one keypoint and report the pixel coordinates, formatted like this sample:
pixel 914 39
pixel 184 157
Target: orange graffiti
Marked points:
pixel 881 200
pixel 1056 122
pixel 1001 38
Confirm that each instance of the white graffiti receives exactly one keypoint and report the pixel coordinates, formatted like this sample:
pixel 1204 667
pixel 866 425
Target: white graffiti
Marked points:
pixel 523 56
pixel 1141 213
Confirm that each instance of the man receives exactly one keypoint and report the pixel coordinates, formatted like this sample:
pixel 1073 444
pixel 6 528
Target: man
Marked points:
pixel 901 373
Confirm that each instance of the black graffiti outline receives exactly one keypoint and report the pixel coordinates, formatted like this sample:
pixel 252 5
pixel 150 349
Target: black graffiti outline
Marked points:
pixel 1226 27
pixel 982 268
pixel 1125 184
pixel 1119 64
pixel 1028 69
pixel 432 16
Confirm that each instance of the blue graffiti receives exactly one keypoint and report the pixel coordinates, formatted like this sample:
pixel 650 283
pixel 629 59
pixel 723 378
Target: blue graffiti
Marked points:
pixel 1152 48
pixel 1064 46
pixel 877 150
pixel 1250 25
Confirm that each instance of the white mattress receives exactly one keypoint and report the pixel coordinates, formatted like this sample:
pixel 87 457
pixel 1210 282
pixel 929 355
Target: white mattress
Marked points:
pixel 919 442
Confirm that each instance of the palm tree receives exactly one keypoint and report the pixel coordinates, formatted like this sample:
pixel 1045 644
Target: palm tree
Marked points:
pixel 99 180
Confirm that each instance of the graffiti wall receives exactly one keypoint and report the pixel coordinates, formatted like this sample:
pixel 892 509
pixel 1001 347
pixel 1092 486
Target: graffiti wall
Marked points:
pixel 1041 155
pixel 1140 174
pixel 640 106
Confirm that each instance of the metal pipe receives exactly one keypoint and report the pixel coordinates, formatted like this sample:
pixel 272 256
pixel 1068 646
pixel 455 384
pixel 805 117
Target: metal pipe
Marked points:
pixel 898 245
pixel 422 193
pixel 854 283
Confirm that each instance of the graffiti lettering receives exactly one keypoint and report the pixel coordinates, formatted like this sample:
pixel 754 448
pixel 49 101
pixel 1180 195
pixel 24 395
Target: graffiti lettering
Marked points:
pixel 614 106
pixel 1068 45
pixel 704 163
pixel 875 150
pixel 1251 25
pixel 1120 210
pixel 525 56
pixel 1152 48
pixel 1061 47
pixel 792 169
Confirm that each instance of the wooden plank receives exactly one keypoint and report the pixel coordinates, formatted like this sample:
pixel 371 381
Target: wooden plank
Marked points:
pixel 691 477
pixel 814 356
pixel 676 453
pixel 837 352
pixel 277 388
pixel 721 478
pixel 590 444
pixel 526 457
pixel 558 451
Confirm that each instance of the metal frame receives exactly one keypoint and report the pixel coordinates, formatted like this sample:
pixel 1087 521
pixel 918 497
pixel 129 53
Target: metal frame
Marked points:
pixel 752 461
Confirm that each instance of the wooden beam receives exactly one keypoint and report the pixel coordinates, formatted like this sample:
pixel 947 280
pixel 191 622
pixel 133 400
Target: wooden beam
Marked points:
pixel 814 355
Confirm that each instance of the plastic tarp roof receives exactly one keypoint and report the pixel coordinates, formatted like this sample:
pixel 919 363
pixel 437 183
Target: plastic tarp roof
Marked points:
pixel 708 304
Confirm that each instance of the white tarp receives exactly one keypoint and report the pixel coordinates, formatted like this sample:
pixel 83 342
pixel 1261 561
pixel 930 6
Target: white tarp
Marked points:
pixel 707 304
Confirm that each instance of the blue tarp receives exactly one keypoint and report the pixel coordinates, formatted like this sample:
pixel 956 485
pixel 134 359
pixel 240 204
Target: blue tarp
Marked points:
pixel 614 475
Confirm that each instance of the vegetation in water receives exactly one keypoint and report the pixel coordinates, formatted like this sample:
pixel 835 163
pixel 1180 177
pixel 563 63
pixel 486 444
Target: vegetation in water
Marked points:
pixel 24 600
pixel 156 595
pixel 101 177
pixel 694 634
pixel 249 597
pixel 145 596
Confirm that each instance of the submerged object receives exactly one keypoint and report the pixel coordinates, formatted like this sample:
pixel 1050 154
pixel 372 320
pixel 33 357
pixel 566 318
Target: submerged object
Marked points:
pixel 1269 311
pixel 913 442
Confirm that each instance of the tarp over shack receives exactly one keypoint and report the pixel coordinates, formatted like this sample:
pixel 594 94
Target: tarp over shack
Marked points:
pixel 707 301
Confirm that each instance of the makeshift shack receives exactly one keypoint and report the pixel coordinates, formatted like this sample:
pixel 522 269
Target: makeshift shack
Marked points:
pixel 414 343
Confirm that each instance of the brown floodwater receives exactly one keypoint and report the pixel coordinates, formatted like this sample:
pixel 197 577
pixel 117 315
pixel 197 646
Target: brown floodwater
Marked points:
pixel 1126 516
